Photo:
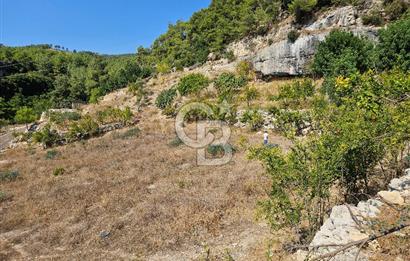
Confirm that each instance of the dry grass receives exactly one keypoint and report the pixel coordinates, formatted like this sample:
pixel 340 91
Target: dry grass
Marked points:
pixel 152 198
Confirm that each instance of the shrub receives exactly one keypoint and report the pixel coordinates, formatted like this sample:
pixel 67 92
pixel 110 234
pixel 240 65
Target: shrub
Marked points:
pixel 61 117
pixel 245 70
pixel 254 119
pixel 228 84
pixel 51 154
pixel 133 132
pixel 112 115
pixel 83 129
pixel 165 98
pixel 301 9
pixel 373 18
pixel 396 9
pixel 25 115
pixel 219 149
pixel 342 53
pixel 176 142
pixel 3 196
pixel 296 91
pixel 249 94
pixel 95 95
pixel 393 49
pixel 192 83
pixel 9 175
pixel 47 137
pixel 293 36
pixel 58 172
pixel 291 123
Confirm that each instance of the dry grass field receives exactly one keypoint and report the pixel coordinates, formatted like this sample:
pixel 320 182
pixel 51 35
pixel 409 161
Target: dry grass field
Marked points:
pixel 135 198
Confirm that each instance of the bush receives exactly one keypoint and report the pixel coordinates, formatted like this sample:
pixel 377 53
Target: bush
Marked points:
pixel 83 129
pixel 342 53
pixel 192 83
pixel 113 115
pixel 133 132
pixel 254 119
pixel 25 115
pixel 165 98
pixel 228 84
pixel 218 149
pixel 393 49
pixel 396 9
pixel 245 70
pixel 293 36
pixel 249 94
pixel 51 154
pixel 61 117
pixel 302 9
pixel 9 175
pixel 58 172
pixel 296 91
pixel 47 137
pixel 176 142
pixel 373 18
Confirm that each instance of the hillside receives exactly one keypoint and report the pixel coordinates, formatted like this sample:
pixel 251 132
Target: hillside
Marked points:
pixel 121 157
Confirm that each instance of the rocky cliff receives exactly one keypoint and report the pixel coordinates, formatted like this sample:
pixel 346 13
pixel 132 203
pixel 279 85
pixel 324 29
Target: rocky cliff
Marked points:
pixel 275 55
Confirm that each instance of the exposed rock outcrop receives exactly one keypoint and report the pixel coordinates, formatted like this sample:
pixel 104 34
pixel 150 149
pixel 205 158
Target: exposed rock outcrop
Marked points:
pixel 347 224
pixel 275 55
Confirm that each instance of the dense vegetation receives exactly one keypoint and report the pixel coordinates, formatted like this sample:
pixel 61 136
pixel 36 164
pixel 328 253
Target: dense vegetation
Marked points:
pixel 39 77
pixel 359 129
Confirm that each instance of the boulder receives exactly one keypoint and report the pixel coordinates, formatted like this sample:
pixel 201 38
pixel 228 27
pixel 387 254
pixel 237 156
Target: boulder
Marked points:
pixel 392 197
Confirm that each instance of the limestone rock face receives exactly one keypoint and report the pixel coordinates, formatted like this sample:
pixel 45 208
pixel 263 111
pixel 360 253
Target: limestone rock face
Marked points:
pixel 287 59
pixel 275 55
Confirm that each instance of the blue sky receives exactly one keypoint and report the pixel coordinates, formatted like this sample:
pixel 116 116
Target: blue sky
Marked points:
pixel 103 26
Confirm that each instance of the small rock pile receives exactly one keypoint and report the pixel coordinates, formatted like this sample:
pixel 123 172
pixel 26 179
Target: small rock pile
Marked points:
pixel 347 224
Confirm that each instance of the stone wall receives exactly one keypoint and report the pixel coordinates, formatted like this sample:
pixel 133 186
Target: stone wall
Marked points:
pixel 350 223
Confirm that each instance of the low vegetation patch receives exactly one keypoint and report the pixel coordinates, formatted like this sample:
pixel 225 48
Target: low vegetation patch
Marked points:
pixel 192 83
pixel 9 175
pixel 58 172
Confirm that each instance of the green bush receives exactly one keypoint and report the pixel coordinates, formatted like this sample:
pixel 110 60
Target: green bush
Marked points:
pixel 176 142
pixel 302 9
pixel 192 83
pixel 83 129
pixel 61 117
pixel 342 53
pixel 58 172
pixel 393 49
pixel 245 70
pixel 128 134
pixel 228 84
pixel 254 119
pixel 373 18
pixel 165 98
pixel 113 115
pixel 396 8
pixel 293 36
pixel 219 149
pixel 52 154
pixel 47 137
pixel 25 115
pixel 296 92
pixel 9 175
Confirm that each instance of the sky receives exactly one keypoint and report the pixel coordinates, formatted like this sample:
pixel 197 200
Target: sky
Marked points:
pixel 102 26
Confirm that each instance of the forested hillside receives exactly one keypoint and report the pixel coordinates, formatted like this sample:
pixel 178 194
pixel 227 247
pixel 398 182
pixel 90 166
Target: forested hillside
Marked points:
pixel 39 77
